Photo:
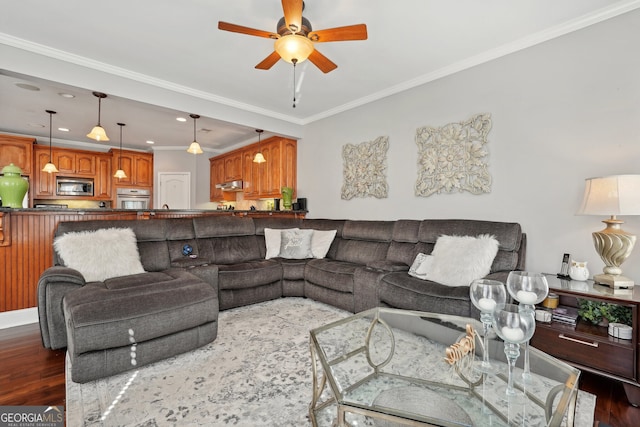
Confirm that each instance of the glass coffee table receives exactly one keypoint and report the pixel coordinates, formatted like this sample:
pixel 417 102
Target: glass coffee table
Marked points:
pixel 387 367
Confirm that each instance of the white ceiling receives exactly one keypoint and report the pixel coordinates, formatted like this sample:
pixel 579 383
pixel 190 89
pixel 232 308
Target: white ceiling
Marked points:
pixel 176 45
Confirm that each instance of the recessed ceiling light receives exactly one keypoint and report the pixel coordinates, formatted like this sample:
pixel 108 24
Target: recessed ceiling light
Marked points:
pixel 66 95
pixel 63 129
pixel 27 86
pixel 181 119
pixel 36 125
pixel 150 142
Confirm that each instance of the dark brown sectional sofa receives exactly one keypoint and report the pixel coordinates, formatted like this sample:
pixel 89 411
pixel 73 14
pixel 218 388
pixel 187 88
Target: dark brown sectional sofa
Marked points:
pixel 173 306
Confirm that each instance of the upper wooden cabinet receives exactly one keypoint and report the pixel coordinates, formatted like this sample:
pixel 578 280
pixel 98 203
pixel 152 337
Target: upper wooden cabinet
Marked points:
pixel 74 163
pixel 43 186
pixel 233 166
pixel 17 150
pixel 102 188
pixel 137 166
pixel 260 180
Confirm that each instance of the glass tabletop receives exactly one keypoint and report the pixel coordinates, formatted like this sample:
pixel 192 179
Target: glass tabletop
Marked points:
pixel 385 365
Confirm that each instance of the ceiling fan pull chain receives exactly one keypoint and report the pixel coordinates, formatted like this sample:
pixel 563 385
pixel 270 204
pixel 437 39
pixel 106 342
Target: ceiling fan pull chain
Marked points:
pixel 294 61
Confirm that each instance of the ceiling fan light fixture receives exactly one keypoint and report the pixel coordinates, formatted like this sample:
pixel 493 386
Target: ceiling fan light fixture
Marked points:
pixel 98 132
pixel 294 46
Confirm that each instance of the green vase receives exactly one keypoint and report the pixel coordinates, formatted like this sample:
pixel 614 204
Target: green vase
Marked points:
pixel 12 187
pixel 287 195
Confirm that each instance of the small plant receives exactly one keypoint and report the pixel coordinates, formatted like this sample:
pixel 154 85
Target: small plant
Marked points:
pixel 596 311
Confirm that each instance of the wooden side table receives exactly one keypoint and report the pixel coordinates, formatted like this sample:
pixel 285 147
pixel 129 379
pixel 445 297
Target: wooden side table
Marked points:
pixel 589 347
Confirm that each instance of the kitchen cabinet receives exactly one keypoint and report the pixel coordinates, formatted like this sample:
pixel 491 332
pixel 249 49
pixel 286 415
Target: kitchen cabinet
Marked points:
pixel 260 180
pixel 216 176
pixel 102 188
pixel 233 166
pixel 43 185
pixel 17 150
pixel 137 166
pixel 74 162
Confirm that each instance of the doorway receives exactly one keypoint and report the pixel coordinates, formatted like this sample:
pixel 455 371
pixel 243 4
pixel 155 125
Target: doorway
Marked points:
pixel 175 190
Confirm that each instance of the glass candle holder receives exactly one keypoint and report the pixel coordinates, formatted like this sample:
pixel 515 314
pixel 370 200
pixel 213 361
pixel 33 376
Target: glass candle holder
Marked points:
pixel 487 295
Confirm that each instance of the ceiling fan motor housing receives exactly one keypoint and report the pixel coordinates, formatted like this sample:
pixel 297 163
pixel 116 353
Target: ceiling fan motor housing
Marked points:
pixel 283 30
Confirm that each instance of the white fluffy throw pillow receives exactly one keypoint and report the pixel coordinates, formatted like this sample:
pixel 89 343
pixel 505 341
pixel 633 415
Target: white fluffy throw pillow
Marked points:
pixel 100 254
pixel 458 260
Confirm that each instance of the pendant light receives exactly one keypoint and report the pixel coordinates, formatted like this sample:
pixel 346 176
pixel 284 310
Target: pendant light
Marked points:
pixel 194 148
pixel 259 158
pixel 50 167
pixel 98 132
pixel 120 173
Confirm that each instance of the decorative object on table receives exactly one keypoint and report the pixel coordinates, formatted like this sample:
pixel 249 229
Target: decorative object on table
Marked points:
pixel 564 268
pixel 515 327
pixel 461 355
pixel 612 195
pixel 452 158
pixel 13 187
pixel 551 301
pixel 565 314
pixel 604 313
pixel 528 289
pixel 619 330
pixel 287 196
pixel 487 295
pixel 578 271
pixel 364 169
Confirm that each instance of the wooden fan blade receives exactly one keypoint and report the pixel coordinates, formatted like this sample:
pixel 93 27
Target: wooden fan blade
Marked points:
pixel 269 61
pixel 292 14
pixel 225 26
pixel 322 62
pixel 351 32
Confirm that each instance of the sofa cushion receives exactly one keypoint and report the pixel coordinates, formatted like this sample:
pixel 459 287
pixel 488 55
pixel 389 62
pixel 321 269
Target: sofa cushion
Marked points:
pixel 100 254
pixel 296 244
pixel 458 260
pixel 229 250
pixel 332 274
pixel 249 274
pixel 145 306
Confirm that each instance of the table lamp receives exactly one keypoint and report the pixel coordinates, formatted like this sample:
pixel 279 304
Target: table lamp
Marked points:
pixel 612 195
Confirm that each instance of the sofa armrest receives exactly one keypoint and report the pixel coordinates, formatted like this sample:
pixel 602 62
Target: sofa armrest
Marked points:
pixel 384 265
pixel 53 285
pixel 500 276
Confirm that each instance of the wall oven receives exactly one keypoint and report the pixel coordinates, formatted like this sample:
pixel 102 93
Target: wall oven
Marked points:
pixel 133 198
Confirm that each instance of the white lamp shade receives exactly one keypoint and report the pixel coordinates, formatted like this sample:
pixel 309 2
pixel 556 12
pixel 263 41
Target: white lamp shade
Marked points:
pixel 259 158
pixel 293 46
pixel 98 134
pixel 50 168
pixel 120 174
pixel 194 148
pixel 611 195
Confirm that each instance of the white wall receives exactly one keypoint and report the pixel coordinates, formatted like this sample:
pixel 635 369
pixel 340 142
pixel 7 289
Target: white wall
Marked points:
pixel 562 111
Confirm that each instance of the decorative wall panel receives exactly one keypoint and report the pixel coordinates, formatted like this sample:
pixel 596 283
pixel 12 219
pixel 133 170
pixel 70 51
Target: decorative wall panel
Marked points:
pixel 453 158
pixel 365 169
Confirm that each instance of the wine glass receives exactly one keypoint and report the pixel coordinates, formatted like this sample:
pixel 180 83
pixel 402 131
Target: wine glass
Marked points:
pixel 528 289
pixel 487 295
pixel 514 326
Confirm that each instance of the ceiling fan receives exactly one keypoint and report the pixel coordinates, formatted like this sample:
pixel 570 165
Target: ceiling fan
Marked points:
pixel 295 39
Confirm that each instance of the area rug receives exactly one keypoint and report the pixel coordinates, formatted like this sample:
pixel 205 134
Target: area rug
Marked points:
pixel 256 373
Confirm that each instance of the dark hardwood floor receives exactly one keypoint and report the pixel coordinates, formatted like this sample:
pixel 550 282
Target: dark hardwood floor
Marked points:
pixel 32 375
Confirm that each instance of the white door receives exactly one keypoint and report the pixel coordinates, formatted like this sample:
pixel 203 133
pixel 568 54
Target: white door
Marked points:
pixel 175 190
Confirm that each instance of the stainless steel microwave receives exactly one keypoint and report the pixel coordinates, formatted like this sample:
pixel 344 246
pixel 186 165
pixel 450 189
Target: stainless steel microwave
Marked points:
pixel 74 186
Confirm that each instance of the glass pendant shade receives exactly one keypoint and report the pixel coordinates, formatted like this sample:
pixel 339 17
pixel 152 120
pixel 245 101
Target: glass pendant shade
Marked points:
pixel 259 158
pixel 293 46
pixel 120 174
pixel 195 148
pixel 98 134
pixel 50 167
